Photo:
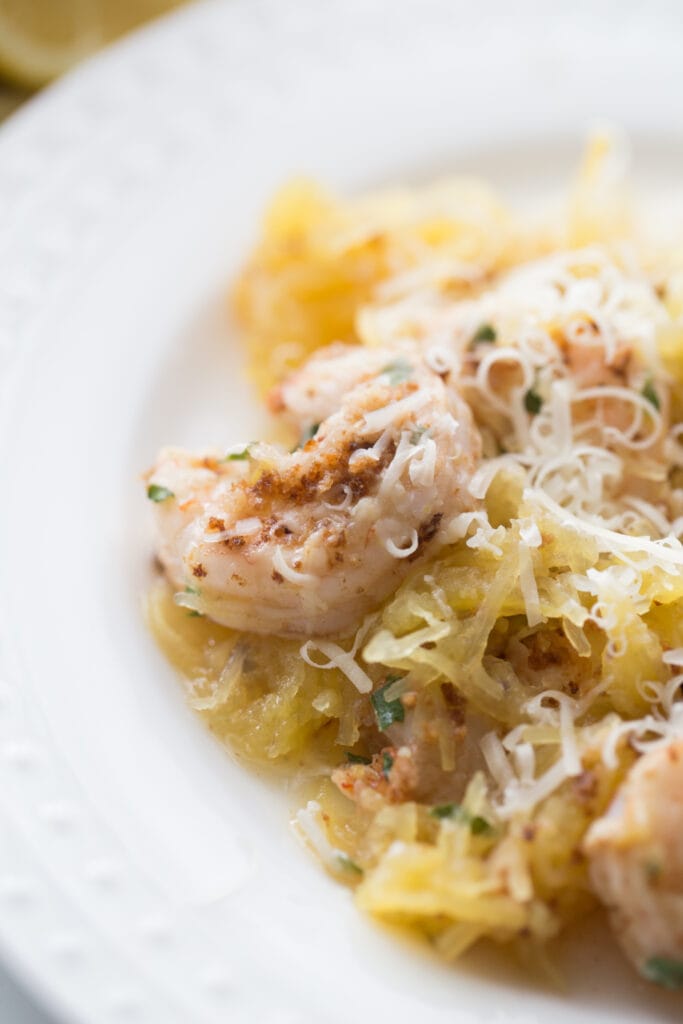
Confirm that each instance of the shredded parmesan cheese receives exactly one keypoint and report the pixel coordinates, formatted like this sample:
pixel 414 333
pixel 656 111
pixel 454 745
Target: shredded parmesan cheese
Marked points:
pixel 380 419
pixel 293 575
pixel 343 660
pixel 309 826
pixel 403 550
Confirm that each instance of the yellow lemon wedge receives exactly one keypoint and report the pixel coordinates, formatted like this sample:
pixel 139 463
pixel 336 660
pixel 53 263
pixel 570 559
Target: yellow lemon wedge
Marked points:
pixel 40 39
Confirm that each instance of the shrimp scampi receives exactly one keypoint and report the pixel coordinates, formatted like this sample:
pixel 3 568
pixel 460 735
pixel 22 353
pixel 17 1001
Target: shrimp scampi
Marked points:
pixel 636 864
pixel 307 542
pixel 449 601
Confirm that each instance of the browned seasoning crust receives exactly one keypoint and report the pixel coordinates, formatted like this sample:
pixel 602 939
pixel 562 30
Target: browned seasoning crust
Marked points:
pixel 330 470
pixel 392 774
pixel 291 487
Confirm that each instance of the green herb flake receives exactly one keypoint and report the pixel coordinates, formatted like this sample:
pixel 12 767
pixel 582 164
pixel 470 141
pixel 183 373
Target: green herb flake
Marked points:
pixel 307 435
pixel 239 456
pixel 192 590
pixel 387 764
pixel 195 615
pixel 533 402
pixel 357 758
pixel 417 434
pixel 650 393
pixel 480 826
pixel 397 372
pixel 442 811
pixel 346 864
pixel 310 432
pixel 484 333
pixel 653 871
pixel 387 711
pixel 155 492
pixel 454 812
pixel 663 971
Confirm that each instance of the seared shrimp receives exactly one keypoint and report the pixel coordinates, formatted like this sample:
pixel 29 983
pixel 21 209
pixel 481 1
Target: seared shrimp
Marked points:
pixel 316 390
pixel 636 863
pixel 308 542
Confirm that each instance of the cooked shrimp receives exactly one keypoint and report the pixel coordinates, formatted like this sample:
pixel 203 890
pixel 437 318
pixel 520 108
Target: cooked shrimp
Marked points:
pixel 636 863
pixel 308 542
pixel 316 390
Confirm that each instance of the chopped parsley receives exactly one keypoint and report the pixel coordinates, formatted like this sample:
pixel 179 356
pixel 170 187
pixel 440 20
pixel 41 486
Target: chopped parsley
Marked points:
pixel 194 614
pixel 346 864
pixel 650 393
pixel 533 401
pixel 387 764
pixel 387 711
pixel 357 758
pixel 191 590
pixel 417 434
pixel 480 826
pixel 239 456
pixel 484 333
pixel 455 812
pixel 663 971
pixel 155 492
pixel 397 372
pixel 653 870
pixel 310 432
pixel 445 811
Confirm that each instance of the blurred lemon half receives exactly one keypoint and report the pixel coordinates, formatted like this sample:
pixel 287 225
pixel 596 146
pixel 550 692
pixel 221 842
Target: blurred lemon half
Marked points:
pixel 40 39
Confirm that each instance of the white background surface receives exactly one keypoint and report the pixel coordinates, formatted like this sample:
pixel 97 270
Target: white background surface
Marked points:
pixel 143 875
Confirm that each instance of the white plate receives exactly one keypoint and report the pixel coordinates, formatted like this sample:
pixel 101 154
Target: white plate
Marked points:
pixel 145 876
